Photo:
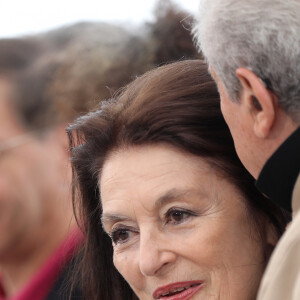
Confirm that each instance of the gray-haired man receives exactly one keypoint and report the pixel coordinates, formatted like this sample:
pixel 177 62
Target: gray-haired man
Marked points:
pixel 253 51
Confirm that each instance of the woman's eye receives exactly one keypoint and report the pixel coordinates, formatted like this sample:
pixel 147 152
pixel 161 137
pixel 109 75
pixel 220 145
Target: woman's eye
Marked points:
pixel 175 216
pixel 121 235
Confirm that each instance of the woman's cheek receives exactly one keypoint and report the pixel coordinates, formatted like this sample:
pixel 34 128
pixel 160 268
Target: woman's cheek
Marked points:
pixel 127 264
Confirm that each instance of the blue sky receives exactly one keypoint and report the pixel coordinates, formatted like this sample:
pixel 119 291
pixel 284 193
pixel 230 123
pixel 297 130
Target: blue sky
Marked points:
pixel 21 17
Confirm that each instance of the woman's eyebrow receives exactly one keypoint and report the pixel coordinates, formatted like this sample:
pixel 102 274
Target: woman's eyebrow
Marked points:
pixel 173 195
pixel 112 218
pixel 168 197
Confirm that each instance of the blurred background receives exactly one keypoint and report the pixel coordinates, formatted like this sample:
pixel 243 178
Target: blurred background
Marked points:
pixel 32 16
pixel 98 46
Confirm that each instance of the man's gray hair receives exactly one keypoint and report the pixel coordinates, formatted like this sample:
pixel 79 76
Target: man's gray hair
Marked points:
pixel 261 35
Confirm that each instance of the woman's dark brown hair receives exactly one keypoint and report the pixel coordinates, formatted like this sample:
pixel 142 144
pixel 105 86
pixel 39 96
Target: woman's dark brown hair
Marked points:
pixel 177 104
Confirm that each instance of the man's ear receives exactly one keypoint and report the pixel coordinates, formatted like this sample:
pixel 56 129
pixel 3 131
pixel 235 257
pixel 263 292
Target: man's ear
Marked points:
pixel 258 100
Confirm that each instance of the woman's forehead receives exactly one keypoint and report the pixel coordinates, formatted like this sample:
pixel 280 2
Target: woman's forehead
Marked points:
pixel 155 176
pixel 151 166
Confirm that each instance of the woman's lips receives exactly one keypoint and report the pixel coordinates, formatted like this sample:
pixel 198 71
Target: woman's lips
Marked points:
pixel 178 291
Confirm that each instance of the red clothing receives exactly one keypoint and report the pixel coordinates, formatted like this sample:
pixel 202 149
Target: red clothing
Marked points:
pixel 40 285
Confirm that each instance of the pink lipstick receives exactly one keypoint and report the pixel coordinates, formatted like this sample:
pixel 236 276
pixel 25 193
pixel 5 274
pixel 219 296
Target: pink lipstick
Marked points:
pixel 178 291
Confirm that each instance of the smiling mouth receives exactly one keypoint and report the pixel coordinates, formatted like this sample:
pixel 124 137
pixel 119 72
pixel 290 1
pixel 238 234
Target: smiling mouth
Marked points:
pixel 178 291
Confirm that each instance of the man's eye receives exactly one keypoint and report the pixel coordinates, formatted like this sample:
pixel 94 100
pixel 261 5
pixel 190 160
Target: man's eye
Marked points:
pixel 176 216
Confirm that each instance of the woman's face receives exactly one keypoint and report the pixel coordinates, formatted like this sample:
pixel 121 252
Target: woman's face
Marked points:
pixel 179 230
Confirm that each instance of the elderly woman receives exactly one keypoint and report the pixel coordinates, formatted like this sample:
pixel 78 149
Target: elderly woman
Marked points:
pixel 165 202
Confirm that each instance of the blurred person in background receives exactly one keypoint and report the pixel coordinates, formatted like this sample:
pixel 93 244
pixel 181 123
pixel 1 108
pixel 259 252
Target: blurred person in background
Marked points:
pixel 46 81
pixel 38 233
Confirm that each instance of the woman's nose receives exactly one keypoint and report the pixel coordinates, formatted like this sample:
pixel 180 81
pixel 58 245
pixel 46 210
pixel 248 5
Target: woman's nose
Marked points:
pixel 155 254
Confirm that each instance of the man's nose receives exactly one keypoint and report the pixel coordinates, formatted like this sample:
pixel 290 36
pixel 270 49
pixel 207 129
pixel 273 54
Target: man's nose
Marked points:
pixel 155 254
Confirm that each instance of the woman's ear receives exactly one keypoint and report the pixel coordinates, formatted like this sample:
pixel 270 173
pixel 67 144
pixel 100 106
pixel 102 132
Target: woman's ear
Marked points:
pixel 258 101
